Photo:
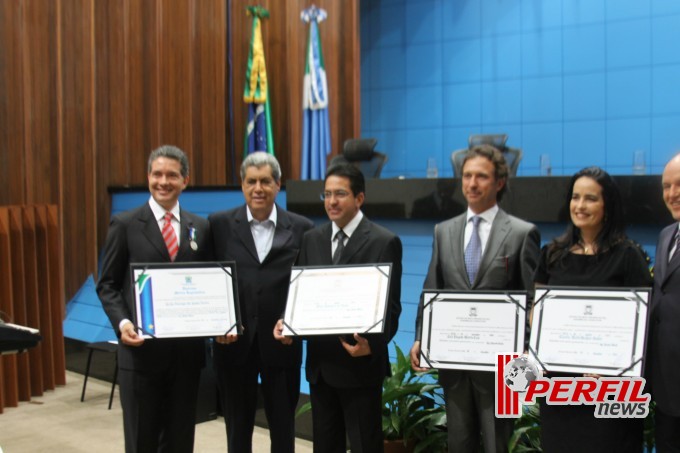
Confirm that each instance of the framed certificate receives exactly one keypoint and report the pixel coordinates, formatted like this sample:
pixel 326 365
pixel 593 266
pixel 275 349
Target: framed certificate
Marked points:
pixel 467 329
pixel 594 330
pixel 336 300
pixel 185 299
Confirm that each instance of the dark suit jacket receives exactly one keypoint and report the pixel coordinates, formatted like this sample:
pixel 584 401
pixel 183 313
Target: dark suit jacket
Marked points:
pixel 370 243
pixel 509 261
pixel 134 237
pixel 663 350
pixel 262 287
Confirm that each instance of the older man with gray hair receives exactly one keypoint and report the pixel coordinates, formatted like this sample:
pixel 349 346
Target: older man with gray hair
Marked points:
pixel 263 239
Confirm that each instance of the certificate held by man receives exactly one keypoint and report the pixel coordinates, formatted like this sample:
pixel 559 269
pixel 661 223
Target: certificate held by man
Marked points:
pixel 466 330
pixel 187 300
pixel 334 300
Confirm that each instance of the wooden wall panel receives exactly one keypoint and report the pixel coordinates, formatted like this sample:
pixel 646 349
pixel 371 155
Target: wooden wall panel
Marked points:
pixel 175 64
pixel 56 293
pixel 9 387
pixel 111 133
pixel 12 164
pixel 41 93
pixel 89 87
pixel 31 303
pixel 20 311
pixel 209 133
pixel 143 97
pixel 77 137
pixel 31 292
pixel 44 302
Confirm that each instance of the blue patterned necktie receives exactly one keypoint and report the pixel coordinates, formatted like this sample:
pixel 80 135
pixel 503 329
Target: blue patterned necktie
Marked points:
pixel 473 252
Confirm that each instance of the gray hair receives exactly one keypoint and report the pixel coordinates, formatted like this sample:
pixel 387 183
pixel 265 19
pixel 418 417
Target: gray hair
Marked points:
pixel 259 159
pixel 171 152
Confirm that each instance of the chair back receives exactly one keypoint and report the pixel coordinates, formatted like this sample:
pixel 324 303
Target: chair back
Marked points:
pixel 361 153
pixel 513 156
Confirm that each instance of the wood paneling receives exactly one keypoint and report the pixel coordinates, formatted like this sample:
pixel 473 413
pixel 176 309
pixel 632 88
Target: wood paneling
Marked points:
pixel 209 87
pixel 31 292
pixel 29 273
pixel 12 163
pixel 89 87
pixel 9 387
pixel 20 311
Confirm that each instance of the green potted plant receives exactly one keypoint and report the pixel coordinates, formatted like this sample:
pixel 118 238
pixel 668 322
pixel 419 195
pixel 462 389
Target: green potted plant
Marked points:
pixel 414 415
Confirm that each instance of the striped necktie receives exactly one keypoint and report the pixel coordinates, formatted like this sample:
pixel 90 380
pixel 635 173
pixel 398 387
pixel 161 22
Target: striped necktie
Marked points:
pixel 170 237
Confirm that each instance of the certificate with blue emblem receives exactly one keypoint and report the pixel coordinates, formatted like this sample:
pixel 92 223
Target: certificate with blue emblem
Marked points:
pixel 185 299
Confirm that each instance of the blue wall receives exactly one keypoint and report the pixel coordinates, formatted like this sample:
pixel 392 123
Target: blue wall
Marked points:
pixel 586 81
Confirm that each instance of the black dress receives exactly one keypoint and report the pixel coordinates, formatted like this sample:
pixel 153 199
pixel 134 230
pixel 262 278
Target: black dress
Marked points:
pixel 574 428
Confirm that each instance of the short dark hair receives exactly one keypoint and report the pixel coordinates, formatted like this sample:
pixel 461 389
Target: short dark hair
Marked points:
pixel 171 152
pixel 613 230
pixel 495 156
pixel 357 183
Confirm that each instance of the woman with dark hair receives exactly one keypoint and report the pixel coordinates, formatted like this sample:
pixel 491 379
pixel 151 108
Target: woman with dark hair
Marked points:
pixel 593 251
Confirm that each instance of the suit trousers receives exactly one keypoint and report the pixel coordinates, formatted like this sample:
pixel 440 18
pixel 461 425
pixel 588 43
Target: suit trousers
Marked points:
pixel 238 395
pixel 470 408
pixel 667 432
pixel 159 408
pixel 341 413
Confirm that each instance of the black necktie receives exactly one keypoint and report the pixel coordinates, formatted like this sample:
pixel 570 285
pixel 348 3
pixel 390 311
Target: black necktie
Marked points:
pixel 340 237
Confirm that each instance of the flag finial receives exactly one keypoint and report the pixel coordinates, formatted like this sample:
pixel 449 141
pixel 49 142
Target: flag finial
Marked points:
pixel 313 14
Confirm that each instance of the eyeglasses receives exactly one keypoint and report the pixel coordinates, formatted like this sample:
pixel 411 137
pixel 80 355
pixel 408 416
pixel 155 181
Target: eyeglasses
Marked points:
pixel 339 194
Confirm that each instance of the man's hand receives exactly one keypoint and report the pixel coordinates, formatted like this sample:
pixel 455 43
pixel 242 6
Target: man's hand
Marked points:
pixel 227 339
pixel 128 335
pixel 415 357
pixel 362 348
pixel 278 333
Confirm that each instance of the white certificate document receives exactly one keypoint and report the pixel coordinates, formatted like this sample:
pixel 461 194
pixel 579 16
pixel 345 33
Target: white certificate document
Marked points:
pixel 337 300
pixel 594 330
pixel 467 329
pixel 185 299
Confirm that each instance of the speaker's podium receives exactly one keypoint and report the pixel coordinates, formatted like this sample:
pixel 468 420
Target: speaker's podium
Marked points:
pixel 15 338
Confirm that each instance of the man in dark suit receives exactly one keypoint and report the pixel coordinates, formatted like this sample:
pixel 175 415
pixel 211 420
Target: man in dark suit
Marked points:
pixel 483 249
pixel 663 349
pixel 345 374
pixel 159 377
pixel 264 241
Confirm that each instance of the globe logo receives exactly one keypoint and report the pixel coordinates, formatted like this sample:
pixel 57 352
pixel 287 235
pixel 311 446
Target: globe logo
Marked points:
pixel 519 373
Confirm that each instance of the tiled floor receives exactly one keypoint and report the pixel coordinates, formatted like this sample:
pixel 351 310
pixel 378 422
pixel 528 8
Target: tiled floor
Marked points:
pixel 59 422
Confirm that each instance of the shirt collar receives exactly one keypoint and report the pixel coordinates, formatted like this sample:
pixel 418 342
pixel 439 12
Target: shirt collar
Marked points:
pixel 489 215
pixel 350 227
pixel 159 211
pixel 272 216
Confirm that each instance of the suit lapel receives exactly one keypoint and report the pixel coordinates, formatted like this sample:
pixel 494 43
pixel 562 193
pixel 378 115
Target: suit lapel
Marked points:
pixel 184 243
pixel 356 241
pixel 666 268
pixel 324 245
pixel 499 231
pixel 457 238
pixel 152 232
pixel 244 234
